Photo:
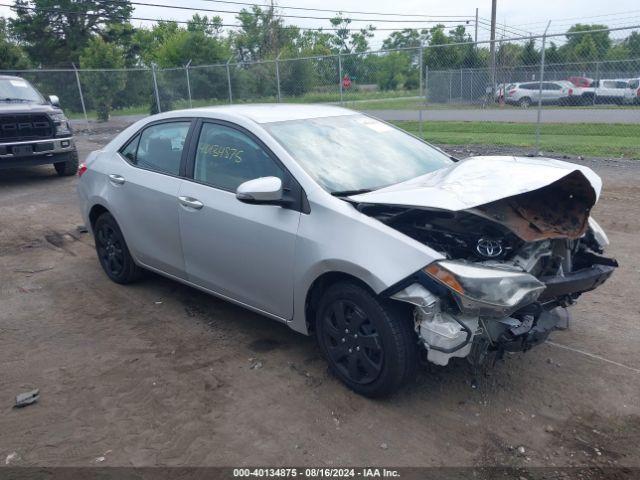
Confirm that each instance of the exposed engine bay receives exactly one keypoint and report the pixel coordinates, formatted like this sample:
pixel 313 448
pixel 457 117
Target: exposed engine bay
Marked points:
pixel 512 268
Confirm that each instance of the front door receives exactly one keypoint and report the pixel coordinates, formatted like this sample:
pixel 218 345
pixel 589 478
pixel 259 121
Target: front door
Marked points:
pixel 242 251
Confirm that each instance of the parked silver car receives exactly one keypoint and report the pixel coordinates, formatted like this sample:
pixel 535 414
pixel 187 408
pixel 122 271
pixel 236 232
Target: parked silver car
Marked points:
pixel 340 225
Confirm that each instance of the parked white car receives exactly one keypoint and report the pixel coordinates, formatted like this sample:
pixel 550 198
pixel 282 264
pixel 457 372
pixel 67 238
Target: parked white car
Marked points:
pixel 605 91
pixel 557 92
pixel 632 92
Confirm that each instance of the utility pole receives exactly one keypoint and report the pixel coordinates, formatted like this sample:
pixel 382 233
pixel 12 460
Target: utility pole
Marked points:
pixel 476 37
pixel 493 47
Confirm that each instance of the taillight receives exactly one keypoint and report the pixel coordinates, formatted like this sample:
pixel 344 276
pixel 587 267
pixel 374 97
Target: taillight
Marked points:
pixel 570 91
pixel 81 169
pixel 638 92
pixel 511 92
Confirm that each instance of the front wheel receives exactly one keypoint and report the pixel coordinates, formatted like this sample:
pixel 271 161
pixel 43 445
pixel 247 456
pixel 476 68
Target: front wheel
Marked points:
pixel 369 344
pixel 69 167
pixel 525 102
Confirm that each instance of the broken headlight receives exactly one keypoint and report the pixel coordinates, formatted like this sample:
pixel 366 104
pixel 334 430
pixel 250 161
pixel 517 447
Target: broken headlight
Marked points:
pixel 486 290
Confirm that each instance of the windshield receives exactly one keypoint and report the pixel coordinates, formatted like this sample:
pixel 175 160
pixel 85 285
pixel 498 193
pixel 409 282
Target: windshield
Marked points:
pixel 355 152
pixel 18 90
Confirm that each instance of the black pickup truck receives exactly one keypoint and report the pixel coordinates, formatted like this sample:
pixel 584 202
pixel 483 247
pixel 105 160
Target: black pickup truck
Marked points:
pixel 33 131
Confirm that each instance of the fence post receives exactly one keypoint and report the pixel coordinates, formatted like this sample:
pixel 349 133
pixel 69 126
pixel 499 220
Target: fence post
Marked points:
pixel 597 81
pixel 340 76
pixel 278 75
pixel 450 84
pixel 155 87
pixel 461 92
pixel 420 91
pixel 426 84
pixel 544 45
pixel 229 81
pixel 84 110
pixel 186 70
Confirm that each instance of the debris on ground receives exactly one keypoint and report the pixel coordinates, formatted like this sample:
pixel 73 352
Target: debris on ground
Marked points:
pixel 82 229
pixel 520 450
pixel 27 398
pixel 12 457
pixel 255 364
pixel 384 446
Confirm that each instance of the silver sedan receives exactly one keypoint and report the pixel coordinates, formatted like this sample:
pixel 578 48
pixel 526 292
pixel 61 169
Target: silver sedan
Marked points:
pixel 385 248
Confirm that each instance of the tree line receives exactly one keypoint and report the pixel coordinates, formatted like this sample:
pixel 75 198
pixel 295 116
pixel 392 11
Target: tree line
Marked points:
pixel 99 34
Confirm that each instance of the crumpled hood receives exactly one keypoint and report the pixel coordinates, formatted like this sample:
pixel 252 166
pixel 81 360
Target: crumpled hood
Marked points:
pixel 536 198
pixel 477 181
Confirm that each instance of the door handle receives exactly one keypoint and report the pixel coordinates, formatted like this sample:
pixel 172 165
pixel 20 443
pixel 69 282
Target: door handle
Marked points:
pixel 116 179
pixel 190 202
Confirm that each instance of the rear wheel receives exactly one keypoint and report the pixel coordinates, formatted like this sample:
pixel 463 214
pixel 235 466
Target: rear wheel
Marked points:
pixel 112 250
pixel 69 167
pixel 525 102
pixel 369 344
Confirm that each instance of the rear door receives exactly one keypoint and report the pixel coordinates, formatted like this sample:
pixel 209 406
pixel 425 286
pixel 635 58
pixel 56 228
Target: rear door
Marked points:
pixel 241 251
pixel 144 190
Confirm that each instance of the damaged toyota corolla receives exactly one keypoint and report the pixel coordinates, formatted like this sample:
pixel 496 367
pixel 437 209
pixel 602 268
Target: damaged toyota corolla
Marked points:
pixel 385 248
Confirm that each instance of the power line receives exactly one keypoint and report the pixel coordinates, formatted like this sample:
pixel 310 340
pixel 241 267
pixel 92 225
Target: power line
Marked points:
pixel 309 9
pixel 308 17
pixel 578 18
pixel 184 22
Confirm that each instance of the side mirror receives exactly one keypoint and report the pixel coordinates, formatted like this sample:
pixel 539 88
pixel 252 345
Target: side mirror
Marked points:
pixel 264 190
pixel 54 100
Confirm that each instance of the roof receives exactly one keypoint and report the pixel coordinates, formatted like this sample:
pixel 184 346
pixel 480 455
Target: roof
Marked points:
pixel 277 112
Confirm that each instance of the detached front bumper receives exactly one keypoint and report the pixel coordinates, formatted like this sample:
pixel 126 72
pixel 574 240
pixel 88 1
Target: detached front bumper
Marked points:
pixel 576 283
pixel 36 152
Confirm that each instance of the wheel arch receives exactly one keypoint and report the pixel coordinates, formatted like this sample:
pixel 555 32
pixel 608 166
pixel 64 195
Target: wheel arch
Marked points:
pixel 95 211
pixel 320 285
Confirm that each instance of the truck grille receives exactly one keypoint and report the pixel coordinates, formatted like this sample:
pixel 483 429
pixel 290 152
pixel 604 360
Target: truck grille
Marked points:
pixel 27 126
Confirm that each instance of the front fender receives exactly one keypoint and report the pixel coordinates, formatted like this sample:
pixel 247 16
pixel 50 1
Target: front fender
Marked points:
pixel 335 237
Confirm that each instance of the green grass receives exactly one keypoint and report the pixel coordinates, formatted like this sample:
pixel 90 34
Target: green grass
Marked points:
pixel 592 140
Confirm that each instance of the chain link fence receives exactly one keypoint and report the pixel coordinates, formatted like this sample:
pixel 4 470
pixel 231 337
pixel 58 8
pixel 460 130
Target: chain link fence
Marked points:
pixel 570 93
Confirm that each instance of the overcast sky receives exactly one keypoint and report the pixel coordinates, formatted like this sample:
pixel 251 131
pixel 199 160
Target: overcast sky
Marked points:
pixel 520 16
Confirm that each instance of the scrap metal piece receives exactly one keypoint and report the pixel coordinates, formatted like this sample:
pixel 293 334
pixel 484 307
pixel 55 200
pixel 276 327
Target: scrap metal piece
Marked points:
pixel 27 398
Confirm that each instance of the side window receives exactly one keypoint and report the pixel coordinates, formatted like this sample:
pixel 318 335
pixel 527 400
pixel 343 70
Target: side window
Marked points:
pixel 608 84
pixel 160 147
pixel 226 157
pixel 130 149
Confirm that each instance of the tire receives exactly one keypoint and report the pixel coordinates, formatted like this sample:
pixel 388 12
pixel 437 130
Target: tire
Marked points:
pixel 68 168
pixel 113 253
pixel 369 344
pixel 524 102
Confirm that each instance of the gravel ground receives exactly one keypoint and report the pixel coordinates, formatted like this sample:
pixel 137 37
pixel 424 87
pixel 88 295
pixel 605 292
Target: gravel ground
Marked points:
pixel 158 374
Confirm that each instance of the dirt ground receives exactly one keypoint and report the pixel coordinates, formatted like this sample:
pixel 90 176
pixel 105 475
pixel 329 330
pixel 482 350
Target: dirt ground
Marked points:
pixel 159 374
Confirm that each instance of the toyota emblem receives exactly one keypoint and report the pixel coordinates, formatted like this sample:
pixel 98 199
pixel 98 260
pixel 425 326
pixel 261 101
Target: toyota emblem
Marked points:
pixel 489 248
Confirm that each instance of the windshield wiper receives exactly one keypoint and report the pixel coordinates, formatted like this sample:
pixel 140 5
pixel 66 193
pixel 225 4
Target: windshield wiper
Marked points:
pixel 348 193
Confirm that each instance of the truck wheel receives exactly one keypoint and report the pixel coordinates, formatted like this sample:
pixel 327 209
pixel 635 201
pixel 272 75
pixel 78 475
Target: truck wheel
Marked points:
pixel 369 344
pixel 112 250
pixel 68 168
